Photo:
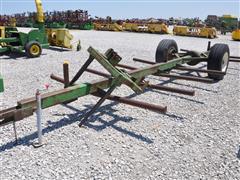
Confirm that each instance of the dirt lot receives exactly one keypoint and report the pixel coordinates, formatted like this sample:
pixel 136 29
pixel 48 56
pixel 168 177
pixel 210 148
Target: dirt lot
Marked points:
pixel 197 139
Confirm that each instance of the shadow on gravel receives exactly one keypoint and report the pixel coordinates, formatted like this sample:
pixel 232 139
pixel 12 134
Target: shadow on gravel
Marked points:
pixel 26 140
pixel 13 56
pixel 233 74
pixel 180 97
pixel 234 68
pixel 59 49
pixel 72 118
pixel 238 153
pixel 195 87
pixel 108 110
pixel 171 81
pixel 97 116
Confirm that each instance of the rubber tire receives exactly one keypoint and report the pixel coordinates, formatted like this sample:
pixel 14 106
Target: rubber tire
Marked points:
pixel 28 47
pixel 164 46
pixel 215 59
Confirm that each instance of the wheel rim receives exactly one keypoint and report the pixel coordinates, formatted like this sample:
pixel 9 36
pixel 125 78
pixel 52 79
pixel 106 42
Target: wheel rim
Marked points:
pixel 225 61
pixel 35 49
pixel 171 53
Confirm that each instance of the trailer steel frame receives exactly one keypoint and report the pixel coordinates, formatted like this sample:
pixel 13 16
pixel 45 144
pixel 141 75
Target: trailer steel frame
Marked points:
pixel 134 79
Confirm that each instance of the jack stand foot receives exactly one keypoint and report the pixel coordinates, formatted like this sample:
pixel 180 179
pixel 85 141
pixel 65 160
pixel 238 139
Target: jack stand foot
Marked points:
pixel 37 144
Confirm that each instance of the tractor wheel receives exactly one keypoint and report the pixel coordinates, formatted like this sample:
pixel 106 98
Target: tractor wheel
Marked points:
pixel 218 59
pixel 33 49
pixel 166 50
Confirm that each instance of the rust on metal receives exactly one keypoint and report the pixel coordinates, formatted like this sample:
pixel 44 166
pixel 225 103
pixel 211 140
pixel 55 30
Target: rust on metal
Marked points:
pixel 171 89
pixel 110 61
pixel 144 105
pixel 98 73
pixel 66 74
pixel 126 66
pixel 143 61
pixel 56 78
pixel 199 70
pixel 189 78
pixel 158 87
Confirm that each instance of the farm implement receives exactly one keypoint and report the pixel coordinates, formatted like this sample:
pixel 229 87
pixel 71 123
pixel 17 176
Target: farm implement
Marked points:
pixel 204 32
pixel 168 58
pixel 236 35
pixel 31 43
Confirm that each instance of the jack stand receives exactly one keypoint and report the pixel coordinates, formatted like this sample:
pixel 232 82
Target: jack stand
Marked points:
pixel 39 120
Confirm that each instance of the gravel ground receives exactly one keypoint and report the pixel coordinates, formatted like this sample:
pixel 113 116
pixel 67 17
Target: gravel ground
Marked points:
pixel 197 139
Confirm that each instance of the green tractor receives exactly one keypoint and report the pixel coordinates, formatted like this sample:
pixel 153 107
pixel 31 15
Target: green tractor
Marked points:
pixel 31 43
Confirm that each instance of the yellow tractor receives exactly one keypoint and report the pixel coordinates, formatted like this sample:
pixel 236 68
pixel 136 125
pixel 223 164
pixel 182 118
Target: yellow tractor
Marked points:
pixel 236 35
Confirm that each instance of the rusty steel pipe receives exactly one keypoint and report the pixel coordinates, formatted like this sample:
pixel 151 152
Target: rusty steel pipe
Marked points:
pixel 184 68
pixel 235 57
pixel 158 87
pixel 126 66
pixel 143 61
pixel 234 60
pixel 61 80
pixel 144 105
pixel 171 89
pixel 199 70
pixel 66 73
pixel 98 73
pixel 190 78
pixel 56 78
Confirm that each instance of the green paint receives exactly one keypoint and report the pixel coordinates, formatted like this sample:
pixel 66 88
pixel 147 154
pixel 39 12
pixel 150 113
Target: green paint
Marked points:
pixel 4 49
pixel 16 41
pixel 153 69
pixel 120 76
pixel 1 84
pixel 8 40
pixel 72 93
